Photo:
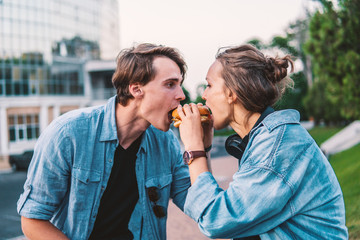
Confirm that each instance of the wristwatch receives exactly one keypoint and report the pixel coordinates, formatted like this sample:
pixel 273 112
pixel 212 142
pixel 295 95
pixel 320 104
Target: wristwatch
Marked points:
pixel 189 156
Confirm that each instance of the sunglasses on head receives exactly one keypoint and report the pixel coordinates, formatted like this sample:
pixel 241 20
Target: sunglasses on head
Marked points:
pixel 154 196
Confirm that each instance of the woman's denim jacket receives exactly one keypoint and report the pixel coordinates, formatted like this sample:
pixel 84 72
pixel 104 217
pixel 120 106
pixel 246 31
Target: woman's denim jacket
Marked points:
pixel 71 166
pixel 285 188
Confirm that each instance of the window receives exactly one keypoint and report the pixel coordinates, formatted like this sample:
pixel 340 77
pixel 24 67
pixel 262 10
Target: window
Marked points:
pixel 23 127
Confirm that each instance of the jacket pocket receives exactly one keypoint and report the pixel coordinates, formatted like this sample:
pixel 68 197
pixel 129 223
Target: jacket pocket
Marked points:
pixel 163 188
pixel 86 176
pixel 159 181
pixel 85 186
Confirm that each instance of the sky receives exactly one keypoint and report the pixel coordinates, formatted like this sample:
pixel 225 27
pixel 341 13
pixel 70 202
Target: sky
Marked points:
pixel 197 28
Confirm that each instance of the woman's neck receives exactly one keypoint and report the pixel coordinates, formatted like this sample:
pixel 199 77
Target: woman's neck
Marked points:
pixel 243 121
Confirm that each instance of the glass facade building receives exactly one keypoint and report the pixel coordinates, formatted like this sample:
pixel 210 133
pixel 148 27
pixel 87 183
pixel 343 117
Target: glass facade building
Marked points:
pixel 50 53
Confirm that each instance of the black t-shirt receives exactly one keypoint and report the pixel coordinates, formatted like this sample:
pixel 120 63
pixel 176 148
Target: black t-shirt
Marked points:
pixel 119 198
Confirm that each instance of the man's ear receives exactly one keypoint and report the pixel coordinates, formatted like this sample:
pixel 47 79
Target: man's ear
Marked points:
pixel 136 90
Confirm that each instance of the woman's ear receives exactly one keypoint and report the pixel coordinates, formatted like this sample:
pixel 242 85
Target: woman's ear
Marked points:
pixel 136 90
pixel 231 96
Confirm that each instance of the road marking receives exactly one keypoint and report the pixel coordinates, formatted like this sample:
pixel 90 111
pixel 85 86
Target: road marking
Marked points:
pixel 18 238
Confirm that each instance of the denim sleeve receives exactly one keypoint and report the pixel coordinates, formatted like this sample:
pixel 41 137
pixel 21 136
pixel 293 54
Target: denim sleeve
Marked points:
pixel 253 203
pixel 181 177
pixel 48 175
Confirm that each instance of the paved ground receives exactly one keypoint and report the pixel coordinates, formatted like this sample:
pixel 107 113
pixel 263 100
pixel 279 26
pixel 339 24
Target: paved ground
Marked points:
pixel 182 227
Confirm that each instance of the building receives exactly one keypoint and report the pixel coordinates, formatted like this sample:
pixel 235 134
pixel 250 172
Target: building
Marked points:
pixel 55 56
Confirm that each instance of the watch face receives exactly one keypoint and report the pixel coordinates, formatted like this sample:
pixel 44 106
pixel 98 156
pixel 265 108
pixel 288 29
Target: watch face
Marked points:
pixel 189 156
pixel 186 157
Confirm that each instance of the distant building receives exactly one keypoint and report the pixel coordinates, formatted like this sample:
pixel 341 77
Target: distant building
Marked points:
pixel 55 56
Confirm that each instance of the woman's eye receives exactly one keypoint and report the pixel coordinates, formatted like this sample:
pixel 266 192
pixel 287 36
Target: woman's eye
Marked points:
pixel 208 85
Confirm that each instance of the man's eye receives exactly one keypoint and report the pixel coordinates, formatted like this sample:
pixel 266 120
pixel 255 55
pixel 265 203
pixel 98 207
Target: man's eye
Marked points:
pixel 208 85
pixel 170 84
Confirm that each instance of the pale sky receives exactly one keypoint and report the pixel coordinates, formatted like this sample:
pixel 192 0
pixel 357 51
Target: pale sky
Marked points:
pixel 199 27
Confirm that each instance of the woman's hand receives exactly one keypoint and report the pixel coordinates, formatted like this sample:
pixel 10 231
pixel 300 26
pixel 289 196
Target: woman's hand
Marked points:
pixel 208 129
pixel 194 135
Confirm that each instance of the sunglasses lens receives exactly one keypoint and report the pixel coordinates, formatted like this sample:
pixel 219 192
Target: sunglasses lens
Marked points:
pixel 153 196
pixel 159 211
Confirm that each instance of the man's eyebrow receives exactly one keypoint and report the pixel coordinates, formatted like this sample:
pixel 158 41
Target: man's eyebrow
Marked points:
pixel 175 80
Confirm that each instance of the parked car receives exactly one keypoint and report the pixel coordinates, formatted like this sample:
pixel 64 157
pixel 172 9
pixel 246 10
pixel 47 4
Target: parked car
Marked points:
pixel 21 161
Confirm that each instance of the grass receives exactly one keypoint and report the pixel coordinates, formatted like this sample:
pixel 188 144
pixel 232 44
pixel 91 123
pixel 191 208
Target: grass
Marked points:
pixel 224 132
pixel 346 165
pixel 321 134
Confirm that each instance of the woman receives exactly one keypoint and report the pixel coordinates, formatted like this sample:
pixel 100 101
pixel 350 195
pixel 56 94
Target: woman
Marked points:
pixel 284 188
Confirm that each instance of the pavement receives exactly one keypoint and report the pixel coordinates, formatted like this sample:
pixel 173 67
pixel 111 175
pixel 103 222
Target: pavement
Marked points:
pixel 4 166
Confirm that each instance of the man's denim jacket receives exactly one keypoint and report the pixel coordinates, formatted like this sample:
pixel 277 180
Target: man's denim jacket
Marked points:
pixel 284 188
pixel 71 167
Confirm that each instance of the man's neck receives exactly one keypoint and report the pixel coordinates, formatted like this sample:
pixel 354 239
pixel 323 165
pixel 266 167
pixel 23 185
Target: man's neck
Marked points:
pixel 130 125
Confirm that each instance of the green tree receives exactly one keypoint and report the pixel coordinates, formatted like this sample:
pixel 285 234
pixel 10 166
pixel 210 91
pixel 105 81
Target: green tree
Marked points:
pixel 335 51
pixel 199 91
pixel 291 43
pixel 257 43
pixel 187 96
pixel 293 97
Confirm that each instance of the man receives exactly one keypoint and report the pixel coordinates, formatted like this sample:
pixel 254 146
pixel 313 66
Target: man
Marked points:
pixel 108 172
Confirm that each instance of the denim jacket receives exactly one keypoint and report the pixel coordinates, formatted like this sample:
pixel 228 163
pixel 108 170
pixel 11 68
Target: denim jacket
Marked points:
pixel 71 166
pixel 285 188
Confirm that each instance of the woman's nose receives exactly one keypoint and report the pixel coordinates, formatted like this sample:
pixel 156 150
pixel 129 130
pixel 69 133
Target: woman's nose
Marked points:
pixel 204 95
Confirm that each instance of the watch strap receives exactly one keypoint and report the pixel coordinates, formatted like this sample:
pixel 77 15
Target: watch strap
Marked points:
pixel 208 148
pixel 189 156
pixel 197 154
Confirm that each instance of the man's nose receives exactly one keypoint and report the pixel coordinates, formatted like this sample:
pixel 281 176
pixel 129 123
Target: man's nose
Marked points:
pixel 180 95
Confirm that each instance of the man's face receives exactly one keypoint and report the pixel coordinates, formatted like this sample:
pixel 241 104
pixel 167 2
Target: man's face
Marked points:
pixel 162 94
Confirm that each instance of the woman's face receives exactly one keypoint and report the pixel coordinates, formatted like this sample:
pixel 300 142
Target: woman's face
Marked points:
pixel 217 97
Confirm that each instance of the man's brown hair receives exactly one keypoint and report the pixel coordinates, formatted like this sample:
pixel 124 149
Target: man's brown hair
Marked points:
pixel 135 65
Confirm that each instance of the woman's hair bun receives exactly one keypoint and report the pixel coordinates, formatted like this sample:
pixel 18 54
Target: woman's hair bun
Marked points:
pixel 276 68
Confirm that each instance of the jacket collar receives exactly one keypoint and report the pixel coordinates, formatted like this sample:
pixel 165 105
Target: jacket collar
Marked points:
pixel 108 130
pixel 281 117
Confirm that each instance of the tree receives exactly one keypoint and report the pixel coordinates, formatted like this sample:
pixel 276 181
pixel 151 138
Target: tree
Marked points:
pixel 199 91
pixel 335 51
pixel 293 97
pixel 257 43
pixel 291 43
pixel 187 96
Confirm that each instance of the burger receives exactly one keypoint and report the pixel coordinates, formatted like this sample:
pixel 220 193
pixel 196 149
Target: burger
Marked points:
pixel 204 115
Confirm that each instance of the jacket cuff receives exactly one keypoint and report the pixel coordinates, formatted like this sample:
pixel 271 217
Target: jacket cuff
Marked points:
pixel 200 195
pixel 25 205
